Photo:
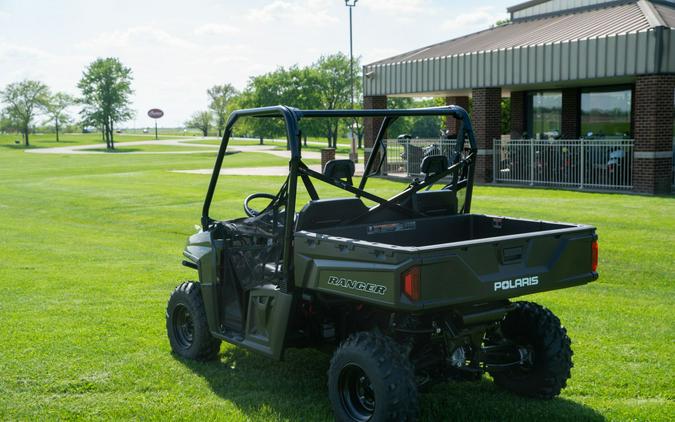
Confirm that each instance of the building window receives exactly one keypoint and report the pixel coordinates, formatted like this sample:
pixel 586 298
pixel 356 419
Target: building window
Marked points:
pixel 606 114
pixel 545 114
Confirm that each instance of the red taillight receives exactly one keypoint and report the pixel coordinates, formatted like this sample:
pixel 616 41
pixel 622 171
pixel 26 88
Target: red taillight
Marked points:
pixel 594 256
pixel 411 283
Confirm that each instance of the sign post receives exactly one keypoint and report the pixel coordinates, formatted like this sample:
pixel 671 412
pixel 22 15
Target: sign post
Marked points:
pixel 155 113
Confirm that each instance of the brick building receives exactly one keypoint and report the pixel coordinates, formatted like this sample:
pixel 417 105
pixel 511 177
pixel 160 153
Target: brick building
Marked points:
pixel 599 70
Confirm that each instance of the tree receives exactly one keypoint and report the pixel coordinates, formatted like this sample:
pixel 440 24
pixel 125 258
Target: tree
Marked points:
pixel 324 85
pixel 8 123
pixel 220 97
pixel 335 89
pixel 24 101
pixel 200 120
pixel 56 107
pixel 295 86
pixel 106 88
pixel 422 127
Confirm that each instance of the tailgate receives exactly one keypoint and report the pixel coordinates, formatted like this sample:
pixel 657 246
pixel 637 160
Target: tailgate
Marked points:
pixel 506 267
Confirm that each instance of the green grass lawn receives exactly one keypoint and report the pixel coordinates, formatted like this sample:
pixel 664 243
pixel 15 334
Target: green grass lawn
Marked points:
pixel 9 141
pixel 154 148
pixel 91 249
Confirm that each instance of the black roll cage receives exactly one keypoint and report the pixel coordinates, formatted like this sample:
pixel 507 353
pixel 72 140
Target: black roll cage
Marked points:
pixel 462 159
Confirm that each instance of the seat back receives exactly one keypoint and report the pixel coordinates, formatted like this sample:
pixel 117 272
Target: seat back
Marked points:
pixel 433 164
pixel 324 213
pixel 436 202
pixel 340 169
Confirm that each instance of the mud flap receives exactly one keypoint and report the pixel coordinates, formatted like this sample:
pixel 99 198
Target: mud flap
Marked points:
pixel 267 320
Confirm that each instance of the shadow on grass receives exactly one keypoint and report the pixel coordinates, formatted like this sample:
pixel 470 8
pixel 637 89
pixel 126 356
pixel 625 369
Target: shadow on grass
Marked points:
pixel 56 144
pixel 40 144
pixel 18 146
pixel 296 390
pixel 113 151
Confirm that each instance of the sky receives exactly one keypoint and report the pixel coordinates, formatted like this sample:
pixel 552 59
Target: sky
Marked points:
pixel 178 49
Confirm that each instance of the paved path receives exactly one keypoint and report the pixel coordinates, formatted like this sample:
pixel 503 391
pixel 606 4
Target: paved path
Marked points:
pixel 188 142
pixel 89 149
pixel 181 143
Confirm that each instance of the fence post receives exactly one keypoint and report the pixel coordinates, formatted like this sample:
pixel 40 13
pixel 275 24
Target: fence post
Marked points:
pixel 495 145
pixel 581 168
pixel 531 162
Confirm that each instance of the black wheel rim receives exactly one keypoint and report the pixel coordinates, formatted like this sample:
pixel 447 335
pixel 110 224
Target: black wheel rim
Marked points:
pixel 183 328
pixel 356 393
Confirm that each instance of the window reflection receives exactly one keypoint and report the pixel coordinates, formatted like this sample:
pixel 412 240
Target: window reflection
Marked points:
pixel 545 114
pixel 606 114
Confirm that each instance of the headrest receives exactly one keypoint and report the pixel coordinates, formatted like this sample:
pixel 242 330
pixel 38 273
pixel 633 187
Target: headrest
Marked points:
pixel 433 164
pixel 340 169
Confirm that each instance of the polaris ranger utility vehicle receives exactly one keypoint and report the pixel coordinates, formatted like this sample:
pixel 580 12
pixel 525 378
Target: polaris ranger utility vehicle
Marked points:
pixel 405 291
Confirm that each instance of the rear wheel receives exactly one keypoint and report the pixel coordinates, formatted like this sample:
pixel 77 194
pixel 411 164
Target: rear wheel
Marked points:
pixel 371 379
pixel 186 324
pixel 537 331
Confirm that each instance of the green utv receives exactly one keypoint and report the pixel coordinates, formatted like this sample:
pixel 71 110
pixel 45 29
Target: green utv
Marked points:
pixel 411 290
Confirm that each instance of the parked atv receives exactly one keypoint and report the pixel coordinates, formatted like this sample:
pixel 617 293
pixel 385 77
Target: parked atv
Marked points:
pixel 411 290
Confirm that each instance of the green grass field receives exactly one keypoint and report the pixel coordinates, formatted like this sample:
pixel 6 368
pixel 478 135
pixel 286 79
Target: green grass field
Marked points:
pixel 153 148
pixel 91 248
pixel 10 141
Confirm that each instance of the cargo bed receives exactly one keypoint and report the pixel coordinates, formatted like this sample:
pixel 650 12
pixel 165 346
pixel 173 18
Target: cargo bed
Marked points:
pixel 466 258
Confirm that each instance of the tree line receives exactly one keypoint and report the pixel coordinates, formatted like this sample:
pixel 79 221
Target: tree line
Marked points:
pixel 324 84
pixel 105 89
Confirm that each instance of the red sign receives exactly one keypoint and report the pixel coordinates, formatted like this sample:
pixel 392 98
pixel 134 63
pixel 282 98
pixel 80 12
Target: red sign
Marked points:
pixel 155 113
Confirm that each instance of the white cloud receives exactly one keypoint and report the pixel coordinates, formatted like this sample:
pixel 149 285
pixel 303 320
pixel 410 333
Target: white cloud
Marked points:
pixel 215 29
pixel 399 7
pixel 20 62
pixel 175 56
pixel 11 52
pixel 231 58
pixel 307 13
pixel 480 18
pixel 135 36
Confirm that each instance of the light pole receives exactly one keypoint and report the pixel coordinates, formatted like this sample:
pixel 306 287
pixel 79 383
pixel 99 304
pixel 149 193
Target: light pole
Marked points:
pixel 354 155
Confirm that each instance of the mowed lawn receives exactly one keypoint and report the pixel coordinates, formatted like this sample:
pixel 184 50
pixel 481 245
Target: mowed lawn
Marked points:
pixel 14 141
pixel 91 249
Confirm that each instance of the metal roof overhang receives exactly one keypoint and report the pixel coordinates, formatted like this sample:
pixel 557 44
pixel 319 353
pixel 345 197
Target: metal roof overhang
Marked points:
pixel 605 58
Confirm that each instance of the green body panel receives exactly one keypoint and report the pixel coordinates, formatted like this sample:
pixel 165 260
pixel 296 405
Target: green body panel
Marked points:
pixel 453 273
pixel 200 251
pixel 267 320
pixel 267 310
pixel 479 265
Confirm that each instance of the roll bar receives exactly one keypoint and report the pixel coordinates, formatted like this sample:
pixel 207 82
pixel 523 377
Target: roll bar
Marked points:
pixel 292 117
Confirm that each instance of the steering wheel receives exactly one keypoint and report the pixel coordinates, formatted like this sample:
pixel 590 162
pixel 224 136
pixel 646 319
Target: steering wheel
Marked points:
pixel 250 211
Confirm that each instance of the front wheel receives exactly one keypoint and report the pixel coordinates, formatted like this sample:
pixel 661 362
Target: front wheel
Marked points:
pixel 371 379
pixel 186 324
pixel 536 330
